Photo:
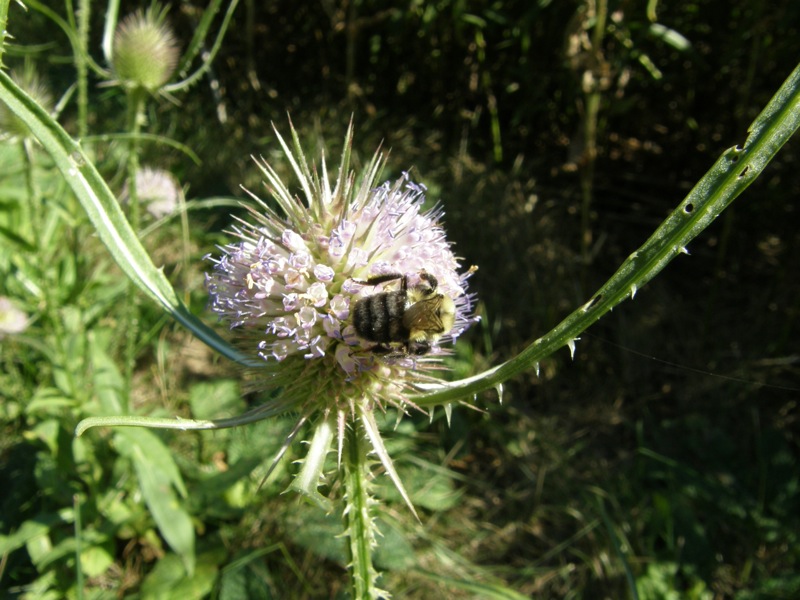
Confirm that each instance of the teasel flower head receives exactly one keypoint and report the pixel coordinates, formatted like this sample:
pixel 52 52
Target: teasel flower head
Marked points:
pixel 33 85
pixel 157 190
pixel 288 286
pixel 145 52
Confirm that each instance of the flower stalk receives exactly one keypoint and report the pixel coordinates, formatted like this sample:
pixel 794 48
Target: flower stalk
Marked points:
pixel 359 523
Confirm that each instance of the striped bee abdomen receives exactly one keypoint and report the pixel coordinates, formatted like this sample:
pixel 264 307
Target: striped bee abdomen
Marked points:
pixel 379 318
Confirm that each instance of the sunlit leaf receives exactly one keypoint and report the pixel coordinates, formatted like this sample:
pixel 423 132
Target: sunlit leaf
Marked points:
pixel 159 479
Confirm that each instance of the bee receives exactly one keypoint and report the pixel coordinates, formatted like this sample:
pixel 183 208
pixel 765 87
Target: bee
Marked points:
pixel 407 321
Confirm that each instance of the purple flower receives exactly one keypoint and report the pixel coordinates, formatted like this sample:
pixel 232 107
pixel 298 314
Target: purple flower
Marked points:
pixel 289 285
pixel 293 279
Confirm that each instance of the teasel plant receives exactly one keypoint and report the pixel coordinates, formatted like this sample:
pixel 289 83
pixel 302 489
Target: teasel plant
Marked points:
pixel 142 57
pixel 287 284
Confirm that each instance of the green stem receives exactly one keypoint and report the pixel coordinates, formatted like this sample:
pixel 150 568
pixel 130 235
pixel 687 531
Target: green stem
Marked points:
pixel 81 67
pixel 601 14
pixel 109 26
pixel 197 44
pixel 359 524
pixel 136 99
pixel 3 24
pixel 587 170
pixel 34 204
pixel 187 247
pixel 76 507
pixel 593 98
pixel 130 320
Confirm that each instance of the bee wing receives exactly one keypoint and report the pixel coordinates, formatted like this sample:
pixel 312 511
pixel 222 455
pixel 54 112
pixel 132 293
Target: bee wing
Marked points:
pixel 422 318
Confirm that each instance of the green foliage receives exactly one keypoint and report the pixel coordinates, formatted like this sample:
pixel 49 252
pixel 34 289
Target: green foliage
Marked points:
pixel 659 582
pixel 698 474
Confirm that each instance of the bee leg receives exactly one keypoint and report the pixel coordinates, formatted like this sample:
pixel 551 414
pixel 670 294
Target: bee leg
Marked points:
pixel 427 283
pixel 378 279
pixel 381 349
pixel 418 348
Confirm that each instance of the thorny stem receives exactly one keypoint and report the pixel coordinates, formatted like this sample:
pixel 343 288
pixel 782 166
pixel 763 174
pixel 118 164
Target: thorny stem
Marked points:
pixel 358 523
pixel 733 172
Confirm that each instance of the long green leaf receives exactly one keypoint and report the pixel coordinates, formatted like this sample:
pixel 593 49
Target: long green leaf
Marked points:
pixel 158 479
pixel 107 217
pixel 735 170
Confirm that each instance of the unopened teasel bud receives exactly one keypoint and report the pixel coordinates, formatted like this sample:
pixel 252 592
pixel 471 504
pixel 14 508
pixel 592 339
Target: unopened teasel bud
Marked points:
pixel 145 50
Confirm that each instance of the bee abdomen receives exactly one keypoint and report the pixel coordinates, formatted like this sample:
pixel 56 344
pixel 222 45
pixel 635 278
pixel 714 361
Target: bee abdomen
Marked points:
pixel 379 318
